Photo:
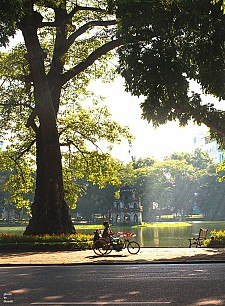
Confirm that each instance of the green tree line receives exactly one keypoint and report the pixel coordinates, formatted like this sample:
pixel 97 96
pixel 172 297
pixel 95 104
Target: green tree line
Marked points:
pixel 182 184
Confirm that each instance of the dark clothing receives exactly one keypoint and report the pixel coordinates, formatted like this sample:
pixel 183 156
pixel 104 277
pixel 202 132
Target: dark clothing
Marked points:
pixel 106 233
pixel 96 236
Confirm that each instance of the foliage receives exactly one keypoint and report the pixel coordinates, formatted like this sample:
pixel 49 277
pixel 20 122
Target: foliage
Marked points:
pixel 17 180
pixel 9 17
pixel 83 160
pixel 211 194
pixel 178 185
pixel 167 43
pixel 143 162
pixel 75 241
pixel 222 5
pixel 96 201
pixel 7 238
pixel 221 171
pixel 199 159
pixel 81 129
pixel 217 239
pixel 169 184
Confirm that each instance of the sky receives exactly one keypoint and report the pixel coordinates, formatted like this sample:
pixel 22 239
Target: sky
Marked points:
pixel 150 142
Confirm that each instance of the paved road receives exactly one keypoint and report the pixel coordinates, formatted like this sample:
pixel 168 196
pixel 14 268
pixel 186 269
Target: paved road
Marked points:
pixel 155 284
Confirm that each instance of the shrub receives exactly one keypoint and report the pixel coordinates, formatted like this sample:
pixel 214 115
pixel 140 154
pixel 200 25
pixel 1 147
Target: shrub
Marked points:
pixel 74 241
pixel 217 239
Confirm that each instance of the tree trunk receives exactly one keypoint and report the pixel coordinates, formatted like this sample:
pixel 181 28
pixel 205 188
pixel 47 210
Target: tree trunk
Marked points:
pixel 49 210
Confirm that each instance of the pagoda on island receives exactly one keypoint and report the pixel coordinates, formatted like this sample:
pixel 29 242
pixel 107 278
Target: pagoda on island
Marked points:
pixel 127 210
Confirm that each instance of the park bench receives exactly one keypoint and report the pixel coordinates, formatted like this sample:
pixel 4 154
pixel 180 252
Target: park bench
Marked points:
pixel 197 240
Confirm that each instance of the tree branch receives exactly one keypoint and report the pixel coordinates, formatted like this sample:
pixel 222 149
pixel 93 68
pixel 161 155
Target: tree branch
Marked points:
pixel 70 15
pixel 48 24
pixel 85 27
pixel 85 8
pixel 27 149
pixel 90 60
pixel 31 122
pixel 213 123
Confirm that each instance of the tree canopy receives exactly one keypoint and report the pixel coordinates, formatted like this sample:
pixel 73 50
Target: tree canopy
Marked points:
pixel 182 184
pixel 167 44
pixel 10 13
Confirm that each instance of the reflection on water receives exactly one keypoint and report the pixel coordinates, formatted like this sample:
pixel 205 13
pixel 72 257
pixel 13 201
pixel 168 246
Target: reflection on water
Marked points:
pixel 156 236
pixel 168 236
pixel 163 236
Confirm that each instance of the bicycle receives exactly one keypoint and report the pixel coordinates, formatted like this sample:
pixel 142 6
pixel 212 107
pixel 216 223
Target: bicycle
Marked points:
pixel 104 246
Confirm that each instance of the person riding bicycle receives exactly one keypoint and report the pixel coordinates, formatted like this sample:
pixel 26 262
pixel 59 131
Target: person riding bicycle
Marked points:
pixel 106 243
pixel 107 233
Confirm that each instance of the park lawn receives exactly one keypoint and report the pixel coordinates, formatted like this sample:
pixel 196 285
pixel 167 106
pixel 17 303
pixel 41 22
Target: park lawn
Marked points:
pixel 164 224
pixel 12 230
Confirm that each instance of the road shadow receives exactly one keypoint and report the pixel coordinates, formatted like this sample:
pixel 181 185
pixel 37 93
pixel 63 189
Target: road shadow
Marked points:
pixel 210 256
pixel 107 256
pixel 218 257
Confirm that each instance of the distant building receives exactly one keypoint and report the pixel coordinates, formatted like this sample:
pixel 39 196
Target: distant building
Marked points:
pixel 127 210
pixel 203 141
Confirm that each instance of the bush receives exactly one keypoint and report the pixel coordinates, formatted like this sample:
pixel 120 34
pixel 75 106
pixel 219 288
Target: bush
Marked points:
pixel 46 242
pixel 217 239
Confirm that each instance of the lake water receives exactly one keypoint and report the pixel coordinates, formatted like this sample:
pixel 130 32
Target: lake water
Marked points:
pixel 168 235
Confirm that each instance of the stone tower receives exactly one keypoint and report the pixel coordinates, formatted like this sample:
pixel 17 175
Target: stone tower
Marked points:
pixel 127 210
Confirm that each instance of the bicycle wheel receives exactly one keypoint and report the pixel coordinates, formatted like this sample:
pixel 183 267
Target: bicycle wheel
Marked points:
pixel 133 247
pixel 101 247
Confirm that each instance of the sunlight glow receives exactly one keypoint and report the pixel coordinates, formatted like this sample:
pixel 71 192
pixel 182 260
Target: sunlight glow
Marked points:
pixel 210 302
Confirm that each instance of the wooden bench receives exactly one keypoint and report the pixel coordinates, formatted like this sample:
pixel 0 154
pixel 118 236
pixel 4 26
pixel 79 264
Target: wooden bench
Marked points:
pixel 197 240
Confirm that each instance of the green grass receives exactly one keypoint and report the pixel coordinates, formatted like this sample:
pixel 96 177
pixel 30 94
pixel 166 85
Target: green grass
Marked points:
pixel 88 226
pixel 19 230
pixel 164 224
pixel 13 230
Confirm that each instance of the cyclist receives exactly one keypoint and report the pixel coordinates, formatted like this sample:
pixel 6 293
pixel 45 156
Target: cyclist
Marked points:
pixel 107 233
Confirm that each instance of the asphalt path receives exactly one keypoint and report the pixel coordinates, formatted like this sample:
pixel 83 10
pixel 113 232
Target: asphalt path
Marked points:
pixel 151 284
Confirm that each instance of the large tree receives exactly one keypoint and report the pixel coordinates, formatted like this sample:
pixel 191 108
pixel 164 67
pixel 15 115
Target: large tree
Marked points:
pixel 63 40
